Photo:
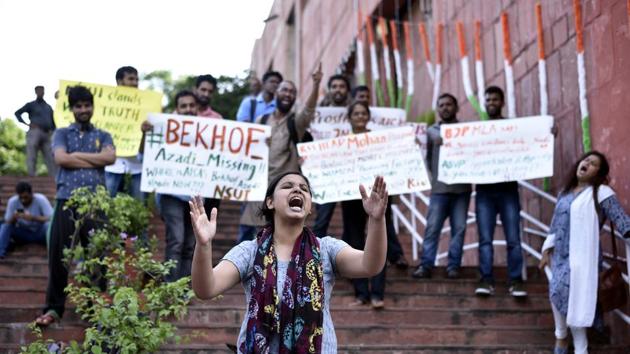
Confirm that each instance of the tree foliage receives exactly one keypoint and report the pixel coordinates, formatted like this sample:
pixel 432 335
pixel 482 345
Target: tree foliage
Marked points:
pixel 226 99
pixel 118 286
pixel 13 150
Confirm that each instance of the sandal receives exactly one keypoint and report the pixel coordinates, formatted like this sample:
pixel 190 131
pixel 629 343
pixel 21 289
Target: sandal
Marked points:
pixel 47 319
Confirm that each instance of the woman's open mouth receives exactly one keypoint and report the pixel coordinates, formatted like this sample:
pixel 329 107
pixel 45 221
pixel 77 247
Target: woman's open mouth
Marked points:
pixel 296 203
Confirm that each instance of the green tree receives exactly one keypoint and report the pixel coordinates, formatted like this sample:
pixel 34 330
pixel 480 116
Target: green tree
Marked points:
pixel 230 90
pixel 137 310
pixel 13 150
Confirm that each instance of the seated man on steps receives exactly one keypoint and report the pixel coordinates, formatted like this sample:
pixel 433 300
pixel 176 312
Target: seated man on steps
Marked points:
pixel 26 218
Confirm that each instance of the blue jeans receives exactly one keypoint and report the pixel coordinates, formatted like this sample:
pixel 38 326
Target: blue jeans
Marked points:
pixel 115 183
pixel 508 206
pixel 443 205
pixel 21 235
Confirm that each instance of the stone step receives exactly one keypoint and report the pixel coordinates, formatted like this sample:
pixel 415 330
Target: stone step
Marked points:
pixel 17 295
pixel 381 349
pixel 200 315
pixel 346 334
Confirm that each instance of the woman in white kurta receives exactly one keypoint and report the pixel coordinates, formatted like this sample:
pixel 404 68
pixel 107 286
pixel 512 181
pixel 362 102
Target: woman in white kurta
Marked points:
pixel 572 247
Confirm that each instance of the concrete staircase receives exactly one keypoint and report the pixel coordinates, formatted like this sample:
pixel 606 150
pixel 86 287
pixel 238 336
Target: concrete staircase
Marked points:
pixel 430 316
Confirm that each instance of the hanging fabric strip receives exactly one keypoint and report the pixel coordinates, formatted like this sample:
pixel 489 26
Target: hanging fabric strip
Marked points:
pixel 397 65
pixel 382 29
pixel 579 40
pixel 409 54
pixel 470 95
pixel 427 52
pixel 507 65
pixel 438 64
pixel 479 74
pixel 374 63
pixel 360 49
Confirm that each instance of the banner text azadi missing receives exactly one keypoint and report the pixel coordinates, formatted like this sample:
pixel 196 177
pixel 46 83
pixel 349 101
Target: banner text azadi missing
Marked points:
pixel 214 158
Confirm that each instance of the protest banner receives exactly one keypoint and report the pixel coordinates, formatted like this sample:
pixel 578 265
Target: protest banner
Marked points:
pixel 336 167
pixel 214 158
pixel 332 122
pixel 494 151
pixel 119 110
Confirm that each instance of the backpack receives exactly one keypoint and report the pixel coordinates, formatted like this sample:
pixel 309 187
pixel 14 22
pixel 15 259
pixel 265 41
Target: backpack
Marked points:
pixel 293 134
pixel 252 110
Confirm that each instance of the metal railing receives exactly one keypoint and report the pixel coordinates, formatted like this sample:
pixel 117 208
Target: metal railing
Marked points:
pixel 536 228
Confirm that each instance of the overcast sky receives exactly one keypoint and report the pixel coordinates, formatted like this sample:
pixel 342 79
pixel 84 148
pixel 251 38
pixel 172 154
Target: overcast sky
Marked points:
pixel 44 41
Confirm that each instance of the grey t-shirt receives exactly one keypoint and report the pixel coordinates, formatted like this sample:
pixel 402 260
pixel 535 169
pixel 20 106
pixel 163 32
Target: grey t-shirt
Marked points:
pixel 40 206
pixel 242 256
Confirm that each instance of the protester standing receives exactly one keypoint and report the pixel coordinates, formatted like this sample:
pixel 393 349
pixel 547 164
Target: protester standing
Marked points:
pixel 502 199
pixel 126 76
pixel 41 126
pixel 447 200
pixel 572 247
pixel 81 151
pixel 355 220
pixel 287 129
pixel 205 87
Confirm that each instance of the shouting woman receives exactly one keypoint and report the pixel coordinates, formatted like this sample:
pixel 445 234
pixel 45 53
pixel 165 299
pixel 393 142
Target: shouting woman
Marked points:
pixel 287 272
pixel 572 247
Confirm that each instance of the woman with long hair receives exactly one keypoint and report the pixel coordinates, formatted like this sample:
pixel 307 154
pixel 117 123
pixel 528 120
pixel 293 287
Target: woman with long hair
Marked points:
pixel 572 247
pixel 287 272
pixel 366 291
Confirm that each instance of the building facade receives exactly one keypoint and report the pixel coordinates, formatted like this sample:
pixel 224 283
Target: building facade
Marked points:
pixel 301 33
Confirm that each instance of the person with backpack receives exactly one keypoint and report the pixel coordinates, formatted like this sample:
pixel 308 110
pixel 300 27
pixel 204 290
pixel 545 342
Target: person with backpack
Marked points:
pixel 287 129
pixel 262 103
pixel 252 107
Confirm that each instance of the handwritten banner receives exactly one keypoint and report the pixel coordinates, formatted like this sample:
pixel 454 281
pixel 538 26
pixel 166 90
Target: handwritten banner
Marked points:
pixel 336 167
pixel 117 109
pixel 214 158
pixel 332 122
pixel 496 150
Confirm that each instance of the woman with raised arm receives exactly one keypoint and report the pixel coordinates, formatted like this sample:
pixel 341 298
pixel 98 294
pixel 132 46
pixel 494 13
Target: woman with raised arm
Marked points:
pixel 572 247
pixel 287 272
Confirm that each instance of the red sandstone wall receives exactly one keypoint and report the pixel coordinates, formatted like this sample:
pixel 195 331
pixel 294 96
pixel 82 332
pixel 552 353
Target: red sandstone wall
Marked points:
pixel 607 55
pixel 328 29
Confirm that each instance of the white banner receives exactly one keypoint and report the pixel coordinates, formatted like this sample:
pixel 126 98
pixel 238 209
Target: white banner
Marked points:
pixel 214 158
pixel 332 122
pixel 496 150
pixel 336 167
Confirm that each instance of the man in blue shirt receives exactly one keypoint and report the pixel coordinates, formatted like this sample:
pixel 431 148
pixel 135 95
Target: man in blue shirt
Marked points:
pixel 252 108
pixel 41 125
pixel 82 151
pixel 26 218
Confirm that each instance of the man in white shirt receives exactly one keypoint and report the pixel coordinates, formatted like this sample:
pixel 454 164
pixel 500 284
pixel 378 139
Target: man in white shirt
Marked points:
pixel 115 174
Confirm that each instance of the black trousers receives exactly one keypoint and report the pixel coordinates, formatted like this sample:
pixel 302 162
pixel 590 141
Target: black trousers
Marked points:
pixel 354 225
pixel 394 249
pixel 325 213
pixel 61 231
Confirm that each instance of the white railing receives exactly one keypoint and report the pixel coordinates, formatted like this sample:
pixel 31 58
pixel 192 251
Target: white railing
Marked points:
pixel 538 228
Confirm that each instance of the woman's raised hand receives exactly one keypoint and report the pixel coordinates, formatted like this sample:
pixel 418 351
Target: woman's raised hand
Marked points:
pixel 204 229
pixel 376 203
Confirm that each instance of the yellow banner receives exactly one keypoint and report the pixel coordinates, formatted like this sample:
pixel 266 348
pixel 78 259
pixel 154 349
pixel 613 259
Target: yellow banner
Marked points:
pixel 118 110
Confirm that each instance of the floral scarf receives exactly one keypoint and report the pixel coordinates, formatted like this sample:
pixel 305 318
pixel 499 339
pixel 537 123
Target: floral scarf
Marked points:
pixel 295 316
